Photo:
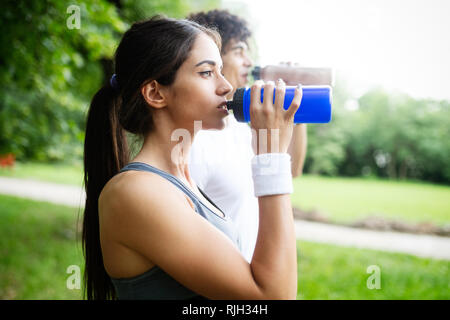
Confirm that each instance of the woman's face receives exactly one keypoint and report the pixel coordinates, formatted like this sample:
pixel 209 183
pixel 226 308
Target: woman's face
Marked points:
pixel 199 90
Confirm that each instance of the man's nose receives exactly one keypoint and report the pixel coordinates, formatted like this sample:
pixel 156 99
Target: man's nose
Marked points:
pixel 248 61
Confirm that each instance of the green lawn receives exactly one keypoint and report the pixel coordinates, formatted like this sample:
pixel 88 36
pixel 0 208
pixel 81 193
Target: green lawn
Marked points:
pixel 347 199
pixel 39 242
pixel 340 199
pixel 58 173
pixel 332 272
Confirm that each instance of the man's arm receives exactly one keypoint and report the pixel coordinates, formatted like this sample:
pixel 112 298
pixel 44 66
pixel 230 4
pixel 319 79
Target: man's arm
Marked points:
pixel 297 149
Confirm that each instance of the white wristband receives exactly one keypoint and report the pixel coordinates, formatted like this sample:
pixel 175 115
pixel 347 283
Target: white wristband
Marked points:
pixel 272 174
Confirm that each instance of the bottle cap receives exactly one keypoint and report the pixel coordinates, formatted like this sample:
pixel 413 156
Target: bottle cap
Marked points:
pixel 256 73
pixel 237 104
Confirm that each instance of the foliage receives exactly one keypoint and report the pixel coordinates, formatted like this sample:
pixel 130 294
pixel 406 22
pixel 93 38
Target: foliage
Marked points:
pixel 389 135
pixel 49 72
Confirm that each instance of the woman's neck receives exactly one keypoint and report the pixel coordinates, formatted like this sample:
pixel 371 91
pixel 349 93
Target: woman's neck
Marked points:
pixel 168 150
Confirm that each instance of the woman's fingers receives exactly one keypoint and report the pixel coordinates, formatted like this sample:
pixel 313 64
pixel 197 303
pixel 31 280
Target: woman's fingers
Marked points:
pixel 255 103
pixel 268 95
pixel 279 95
pixel 255 93
pixel 295 104
pixel 273 125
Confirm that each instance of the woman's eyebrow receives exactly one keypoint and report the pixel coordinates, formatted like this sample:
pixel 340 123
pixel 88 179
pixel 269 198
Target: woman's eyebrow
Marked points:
pixel 213 63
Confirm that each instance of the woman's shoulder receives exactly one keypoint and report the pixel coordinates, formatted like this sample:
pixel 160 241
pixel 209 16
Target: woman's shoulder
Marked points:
pixel 130 189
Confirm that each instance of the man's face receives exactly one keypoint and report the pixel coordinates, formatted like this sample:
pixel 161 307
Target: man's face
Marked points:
pixel 236 63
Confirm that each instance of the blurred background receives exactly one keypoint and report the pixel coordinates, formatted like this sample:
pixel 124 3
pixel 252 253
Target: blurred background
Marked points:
pixel 382 165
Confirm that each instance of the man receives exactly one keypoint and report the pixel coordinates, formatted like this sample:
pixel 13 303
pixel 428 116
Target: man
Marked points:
pixel 221 160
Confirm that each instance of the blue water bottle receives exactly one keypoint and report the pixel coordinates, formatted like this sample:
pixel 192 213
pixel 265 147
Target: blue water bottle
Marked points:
pixel 314 108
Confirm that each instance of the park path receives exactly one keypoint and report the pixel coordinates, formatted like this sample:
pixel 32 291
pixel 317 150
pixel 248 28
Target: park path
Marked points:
pixel 426 246
pixel 68 195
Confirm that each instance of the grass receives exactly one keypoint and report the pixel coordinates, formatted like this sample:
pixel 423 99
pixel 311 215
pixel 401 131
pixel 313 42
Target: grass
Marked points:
pixel 342 200
pixel 347 199
pixel 39 242
pixel 332 272
pixel 58 173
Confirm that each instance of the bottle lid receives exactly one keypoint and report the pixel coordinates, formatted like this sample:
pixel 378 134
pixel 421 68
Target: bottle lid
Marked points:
pixel 256 73
pixel 237 104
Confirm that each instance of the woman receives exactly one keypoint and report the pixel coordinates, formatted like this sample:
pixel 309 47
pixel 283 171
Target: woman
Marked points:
pixel 148 231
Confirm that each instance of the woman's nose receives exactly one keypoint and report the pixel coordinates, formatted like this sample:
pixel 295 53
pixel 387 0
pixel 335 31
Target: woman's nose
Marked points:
pixel 225 87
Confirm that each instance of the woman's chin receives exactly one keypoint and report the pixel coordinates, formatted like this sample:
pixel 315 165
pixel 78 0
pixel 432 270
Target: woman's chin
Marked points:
pixel 220 125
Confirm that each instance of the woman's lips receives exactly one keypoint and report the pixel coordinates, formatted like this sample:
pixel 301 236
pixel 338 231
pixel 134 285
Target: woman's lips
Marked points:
pixel 223 107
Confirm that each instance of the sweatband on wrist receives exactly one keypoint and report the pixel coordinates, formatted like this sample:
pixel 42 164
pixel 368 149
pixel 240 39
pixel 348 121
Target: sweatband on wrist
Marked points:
pixel 272 174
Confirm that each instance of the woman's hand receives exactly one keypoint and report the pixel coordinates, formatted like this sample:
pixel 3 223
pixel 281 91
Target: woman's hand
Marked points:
pixel 272 125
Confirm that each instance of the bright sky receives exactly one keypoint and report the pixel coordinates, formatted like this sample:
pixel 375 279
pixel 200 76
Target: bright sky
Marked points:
pixel 398 44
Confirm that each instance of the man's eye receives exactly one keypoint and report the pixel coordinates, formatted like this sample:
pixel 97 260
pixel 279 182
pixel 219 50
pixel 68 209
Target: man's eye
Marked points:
pixel 205 73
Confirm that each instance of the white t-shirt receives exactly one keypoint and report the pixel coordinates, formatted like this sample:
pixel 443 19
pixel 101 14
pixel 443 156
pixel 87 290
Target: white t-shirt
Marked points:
pixel 220 164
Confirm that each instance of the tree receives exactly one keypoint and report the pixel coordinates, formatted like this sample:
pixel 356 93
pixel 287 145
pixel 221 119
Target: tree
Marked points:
pixel 50 72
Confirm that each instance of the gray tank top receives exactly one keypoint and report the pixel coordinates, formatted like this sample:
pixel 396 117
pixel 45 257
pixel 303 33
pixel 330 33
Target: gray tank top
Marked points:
pixel 155 283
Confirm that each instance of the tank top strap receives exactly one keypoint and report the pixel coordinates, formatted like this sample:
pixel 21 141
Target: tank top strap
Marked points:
pixel 140 166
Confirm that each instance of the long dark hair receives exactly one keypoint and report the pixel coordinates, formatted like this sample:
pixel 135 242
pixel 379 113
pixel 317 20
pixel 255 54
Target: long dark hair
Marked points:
pixel 150 50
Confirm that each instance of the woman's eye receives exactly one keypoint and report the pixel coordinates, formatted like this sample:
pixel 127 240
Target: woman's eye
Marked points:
pixel 205 73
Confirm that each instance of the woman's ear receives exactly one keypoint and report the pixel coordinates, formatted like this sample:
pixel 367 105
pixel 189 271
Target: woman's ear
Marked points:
pixel 153 94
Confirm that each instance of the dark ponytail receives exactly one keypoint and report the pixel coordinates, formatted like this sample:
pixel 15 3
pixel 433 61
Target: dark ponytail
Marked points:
pixel 150 50
pixel 105 152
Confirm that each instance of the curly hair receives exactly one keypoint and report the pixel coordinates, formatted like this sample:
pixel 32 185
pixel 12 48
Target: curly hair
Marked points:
pixel 228 25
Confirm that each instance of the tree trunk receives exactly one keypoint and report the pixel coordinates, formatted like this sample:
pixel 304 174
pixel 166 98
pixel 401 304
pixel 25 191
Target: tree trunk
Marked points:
pixel 403 170
pixel 392 171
